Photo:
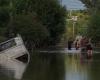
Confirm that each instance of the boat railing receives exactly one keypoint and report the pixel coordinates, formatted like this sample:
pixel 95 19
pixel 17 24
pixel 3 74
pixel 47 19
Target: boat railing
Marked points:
pixel 7 44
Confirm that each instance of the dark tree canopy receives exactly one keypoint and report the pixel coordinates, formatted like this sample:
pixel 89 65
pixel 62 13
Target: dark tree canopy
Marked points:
pixel 36 20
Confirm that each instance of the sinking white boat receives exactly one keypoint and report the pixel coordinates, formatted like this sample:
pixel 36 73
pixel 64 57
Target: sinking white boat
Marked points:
pixel 14 57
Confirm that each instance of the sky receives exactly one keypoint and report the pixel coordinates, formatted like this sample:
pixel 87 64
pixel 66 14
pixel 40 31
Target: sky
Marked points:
pixel 73 4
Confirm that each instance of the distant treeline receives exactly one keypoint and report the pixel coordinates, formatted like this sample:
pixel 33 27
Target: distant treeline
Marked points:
pixel 40 22
pixel 93 8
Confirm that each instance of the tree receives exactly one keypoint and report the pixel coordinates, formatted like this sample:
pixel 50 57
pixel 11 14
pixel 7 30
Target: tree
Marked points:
pixel 48 18
pixel 93 26
pixel 32 30
pixel 4 18
pixel 94 29
pixel 51 14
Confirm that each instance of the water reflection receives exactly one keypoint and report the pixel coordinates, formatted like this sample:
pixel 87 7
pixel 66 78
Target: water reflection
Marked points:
pixel 76 67
pixel 45 66
pixel 56 66
pixel 11 67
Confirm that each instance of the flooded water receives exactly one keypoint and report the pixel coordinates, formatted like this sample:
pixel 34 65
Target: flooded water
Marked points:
pixel 53 66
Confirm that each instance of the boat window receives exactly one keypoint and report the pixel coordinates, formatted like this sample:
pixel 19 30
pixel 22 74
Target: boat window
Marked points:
pixel 23 58
pixel 7 44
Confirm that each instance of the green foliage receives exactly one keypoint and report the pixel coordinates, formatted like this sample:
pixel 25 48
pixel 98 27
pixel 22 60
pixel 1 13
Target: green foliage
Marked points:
pixel 94 29
pixel 4 16
pixel 89 3
pixel 94 23
pixel 80 25
pixel 4 12
pixel 32 29
pixel 4 2
pixel 36 20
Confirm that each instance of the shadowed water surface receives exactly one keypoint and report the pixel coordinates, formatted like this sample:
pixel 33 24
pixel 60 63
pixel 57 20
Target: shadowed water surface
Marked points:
pixel 56 66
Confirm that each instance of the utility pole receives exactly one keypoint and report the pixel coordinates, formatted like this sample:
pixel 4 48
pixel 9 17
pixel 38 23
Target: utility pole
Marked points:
pixel 74 19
